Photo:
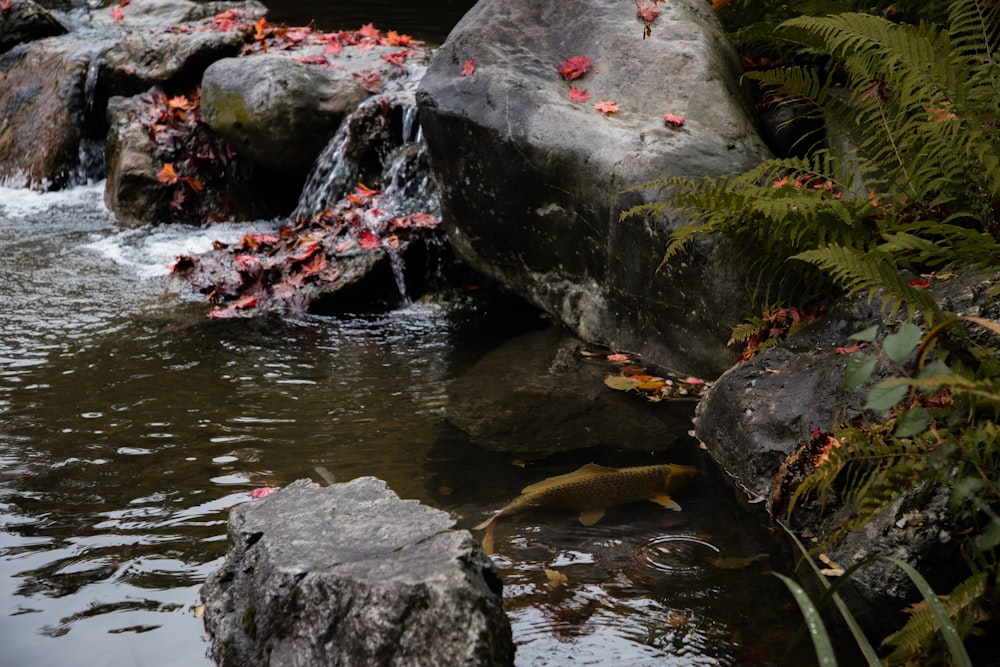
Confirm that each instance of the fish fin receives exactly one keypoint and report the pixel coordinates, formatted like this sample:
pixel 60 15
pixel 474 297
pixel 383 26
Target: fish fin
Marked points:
pixel 666 501
pixel 488 546
pixel 590 517
pixel 584 471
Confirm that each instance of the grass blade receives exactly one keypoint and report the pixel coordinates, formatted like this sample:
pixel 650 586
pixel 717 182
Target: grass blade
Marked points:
pixel 959 656
pixel 821 640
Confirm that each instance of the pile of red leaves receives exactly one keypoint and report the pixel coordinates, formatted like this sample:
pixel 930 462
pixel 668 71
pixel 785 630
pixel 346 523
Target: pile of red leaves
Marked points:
pixel 286 270
pixel 195 162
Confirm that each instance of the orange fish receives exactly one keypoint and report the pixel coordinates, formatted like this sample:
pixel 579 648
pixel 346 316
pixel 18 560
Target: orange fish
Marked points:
pixel 593 489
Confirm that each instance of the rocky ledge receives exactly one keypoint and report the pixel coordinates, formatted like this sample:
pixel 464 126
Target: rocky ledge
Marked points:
pixel 312 579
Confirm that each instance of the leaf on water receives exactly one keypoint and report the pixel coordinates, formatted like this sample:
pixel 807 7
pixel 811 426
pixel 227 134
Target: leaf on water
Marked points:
pixel 573 68
pixel 621 382
pixel 468 67
pixel 555 577
pixel 606 107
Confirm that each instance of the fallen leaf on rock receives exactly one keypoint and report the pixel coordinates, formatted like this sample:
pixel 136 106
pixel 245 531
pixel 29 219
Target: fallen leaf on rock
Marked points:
pixel 851 349
pixel 574 68
pixel 263 492
pixel 398 58
pixel 315 59
pixel 117 14
pixel 167 174
pixel 199 611
pixel 647 13
pixel 606 107
pixel 368 241
pixel 578 94
pixel 396 39
pixel 369 80
pixel 671 119
pixel 618 358
pixel 468 68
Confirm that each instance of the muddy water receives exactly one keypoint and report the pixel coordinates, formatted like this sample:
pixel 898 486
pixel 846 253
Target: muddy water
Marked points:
pixel 130 424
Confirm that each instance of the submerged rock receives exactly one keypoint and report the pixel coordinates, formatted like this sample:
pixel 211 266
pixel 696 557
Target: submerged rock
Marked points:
pixel 540 374
pixel 352 575
pixel 532 184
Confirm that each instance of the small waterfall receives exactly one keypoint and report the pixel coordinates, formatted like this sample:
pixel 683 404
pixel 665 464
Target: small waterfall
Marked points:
pixel 379 144
pixel 397 265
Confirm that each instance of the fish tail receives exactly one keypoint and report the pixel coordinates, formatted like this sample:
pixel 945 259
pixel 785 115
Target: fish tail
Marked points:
pixel 488 523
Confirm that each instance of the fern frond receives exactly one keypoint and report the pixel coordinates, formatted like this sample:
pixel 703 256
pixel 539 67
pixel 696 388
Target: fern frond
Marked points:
pixel 873 270
pixel 920 631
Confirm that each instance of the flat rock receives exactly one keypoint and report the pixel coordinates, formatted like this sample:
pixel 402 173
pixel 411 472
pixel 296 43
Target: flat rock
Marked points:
pixel 349 574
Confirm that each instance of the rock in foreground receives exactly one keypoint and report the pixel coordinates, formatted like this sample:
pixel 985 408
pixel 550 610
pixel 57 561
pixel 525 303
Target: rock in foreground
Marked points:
pixel 351 575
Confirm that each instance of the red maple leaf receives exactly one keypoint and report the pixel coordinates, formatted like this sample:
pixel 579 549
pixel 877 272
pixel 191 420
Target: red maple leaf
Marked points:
pixel 369 80
pixel 606 107
pixel 369 241
pixel 4 5
pixel 395 39
pixel 369 30
pixel 852 348
pixel 117 14
pixel 647 13
pixel 578 94
pixel 397 58
pixel 574 68
pixel 263 492
pixel 314 59
pixel 467 68
pixel 671 119
pixel 333 46
pixel 167 174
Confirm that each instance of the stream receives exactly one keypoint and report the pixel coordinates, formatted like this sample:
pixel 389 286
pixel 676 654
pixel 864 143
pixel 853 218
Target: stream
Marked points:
pixel 130 423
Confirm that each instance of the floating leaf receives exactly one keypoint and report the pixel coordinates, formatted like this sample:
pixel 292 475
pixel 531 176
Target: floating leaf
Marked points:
pixel 555 577
pixel 621 382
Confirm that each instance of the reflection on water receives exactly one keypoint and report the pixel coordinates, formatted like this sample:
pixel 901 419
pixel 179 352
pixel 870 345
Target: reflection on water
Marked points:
pixel 130 424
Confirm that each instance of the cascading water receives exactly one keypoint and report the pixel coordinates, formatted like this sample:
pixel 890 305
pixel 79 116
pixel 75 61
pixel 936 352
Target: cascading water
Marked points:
pixel 380 144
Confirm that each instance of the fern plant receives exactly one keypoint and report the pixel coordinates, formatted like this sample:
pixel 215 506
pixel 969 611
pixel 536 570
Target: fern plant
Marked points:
pixel 915 186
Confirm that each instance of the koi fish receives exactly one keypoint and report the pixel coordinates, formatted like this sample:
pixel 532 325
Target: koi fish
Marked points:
pixel 593 489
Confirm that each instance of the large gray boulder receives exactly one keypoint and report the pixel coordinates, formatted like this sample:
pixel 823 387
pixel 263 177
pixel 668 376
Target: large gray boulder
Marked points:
pixel 351 575
pixel 532 184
